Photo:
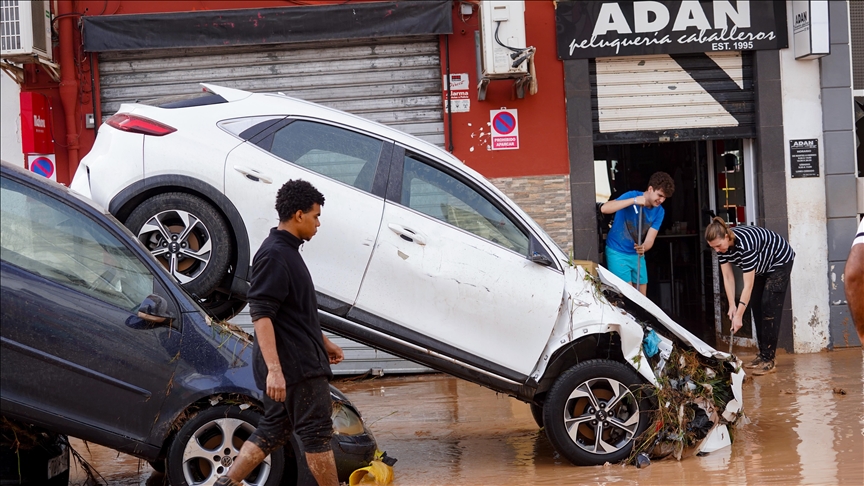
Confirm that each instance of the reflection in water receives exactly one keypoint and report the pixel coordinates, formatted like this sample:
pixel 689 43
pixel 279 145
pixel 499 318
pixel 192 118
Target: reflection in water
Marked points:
pixel 447 431
pixel 814 409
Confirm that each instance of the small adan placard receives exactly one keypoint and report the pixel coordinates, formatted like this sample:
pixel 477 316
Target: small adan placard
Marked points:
pixel 804 157
pixel 505 129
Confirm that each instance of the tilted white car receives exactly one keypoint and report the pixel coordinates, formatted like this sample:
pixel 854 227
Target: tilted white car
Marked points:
pixel 417 254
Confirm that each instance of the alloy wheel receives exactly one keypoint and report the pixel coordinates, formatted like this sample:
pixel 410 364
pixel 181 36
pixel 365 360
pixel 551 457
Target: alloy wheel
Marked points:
pixel 601 416
pixel 180 241
pixel 212 450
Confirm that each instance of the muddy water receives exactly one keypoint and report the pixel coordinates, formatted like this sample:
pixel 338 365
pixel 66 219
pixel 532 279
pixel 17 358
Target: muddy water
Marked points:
pixel 448 431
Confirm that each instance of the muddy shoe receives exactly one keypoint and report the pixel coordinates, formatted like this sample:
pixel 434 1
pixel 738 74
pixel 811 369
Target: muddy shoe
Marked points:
pixel 766 368
pixel 756 363
pixel 226 481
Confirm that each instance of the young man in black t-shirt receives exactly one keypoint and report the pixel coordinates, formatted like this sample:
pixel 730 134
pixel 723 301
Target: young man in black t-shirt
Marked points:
pixel 291 358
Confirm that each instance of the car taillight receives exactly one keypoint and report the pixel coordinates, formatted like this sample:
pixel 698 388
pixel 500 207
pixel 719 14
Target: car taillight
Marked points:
pixel 139 124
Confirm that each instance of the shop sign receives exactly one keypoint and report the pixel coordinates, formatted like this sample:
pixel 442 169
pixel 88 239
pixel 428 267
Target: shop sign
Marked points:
pixel 459 87
pixel 804 155
pixel 591 29
pixel 505 129
pixel 810 33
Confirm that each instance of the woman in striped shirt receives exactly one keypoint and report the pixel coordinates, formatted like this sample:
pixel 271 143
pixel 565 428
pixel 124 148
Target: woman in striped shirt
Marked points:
pixel 766 260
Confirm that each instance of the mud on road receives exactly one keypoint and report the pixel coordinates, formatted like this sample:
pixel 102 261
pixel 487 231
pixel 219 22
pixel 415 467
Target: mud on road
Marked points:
pixel 807 427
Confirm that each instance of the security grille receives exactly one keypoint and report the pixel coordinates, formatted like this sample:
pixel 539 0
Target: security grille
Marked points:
pixel 396 82
pixel 856 17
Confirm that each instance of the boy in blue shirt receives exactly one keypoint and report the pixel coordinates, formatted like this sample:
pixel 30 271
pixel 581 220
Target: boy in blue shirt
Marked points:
pixel 623 252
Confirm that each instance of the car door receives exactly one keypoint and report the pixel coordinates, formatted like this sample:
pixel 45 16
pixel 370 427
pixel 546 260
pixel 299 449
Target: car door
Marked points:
pixel 451 272
pixel 345 166
pixel 73 345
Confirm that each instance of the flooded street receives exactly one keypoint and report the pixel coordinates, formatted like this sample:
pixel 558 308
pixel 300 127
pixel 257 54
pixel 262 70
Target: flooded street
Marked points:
pixel 803 430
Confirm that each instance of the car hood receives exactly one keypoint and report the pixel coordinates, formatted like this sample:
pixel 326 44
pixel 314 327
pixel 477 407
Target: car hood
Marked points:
pixel 629 292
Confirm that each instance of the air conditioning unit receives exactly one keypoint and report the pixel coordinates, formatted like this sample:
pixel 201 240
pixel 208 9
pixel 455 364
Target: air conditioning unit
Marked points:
pixel 25 31
pixel 502 27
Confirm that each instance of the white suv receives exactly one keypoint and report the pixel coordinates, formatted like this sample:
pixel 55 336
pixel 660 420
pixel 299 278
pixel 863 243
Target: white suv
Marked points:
pixel 417 254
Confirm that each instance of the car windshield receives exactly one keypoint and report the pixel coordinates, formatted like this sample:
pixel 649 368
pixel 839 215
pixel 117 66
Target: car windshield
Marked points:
pixel 51 239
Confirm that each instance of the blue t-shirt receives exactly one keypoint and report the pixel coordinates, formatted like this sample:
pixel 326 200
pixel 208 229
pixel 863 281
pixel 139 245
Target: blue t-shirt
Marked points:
pixel 625 226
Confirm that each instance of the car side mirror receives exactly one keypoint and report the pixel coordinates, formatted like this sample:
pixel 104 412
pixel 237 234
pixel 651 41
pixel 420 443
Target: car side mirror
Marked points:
pixel 155 309
pixel 541 260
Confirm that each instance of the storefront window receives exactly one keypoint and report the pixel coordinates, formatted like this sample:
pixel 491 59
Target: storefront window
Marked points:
pixel 731 199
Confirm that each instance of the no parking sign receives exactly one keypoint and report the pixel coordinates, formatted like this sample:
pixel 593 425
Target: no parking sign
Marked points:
pixel 505 129
pixel 43 165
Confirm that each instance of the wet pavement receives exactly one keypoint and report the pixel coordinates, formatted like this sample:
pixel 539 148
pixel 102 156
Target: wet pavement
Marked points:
pixel 803 430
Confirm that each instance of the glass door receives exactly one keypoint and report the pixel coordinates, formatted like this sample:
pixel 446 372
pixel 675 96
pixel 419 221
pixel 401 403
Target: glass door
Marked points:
pixel 731 192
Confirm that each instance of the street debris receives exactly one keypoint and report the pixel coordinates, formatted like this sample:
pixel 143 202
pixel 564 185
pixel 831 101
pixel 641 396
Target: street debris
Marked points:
pixel 379 472
pixel 839 391
pixel 694 401
pixel 696 388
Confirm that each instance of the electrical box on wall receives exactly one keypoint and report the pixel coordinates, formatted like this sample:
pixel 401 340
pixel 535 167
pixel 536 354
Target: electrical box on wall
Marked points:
pixel 502 28
pixel 25 31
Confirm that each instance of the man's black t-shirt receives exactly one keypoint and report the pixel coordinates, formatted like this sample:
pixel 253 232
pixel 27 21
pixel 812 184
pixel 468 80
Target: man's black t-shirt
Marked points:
pixel 281 288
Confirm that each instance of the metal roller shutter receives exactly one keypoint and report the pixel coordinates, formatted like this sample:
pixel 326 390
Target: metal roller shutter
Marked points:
pixel 396 82
pixel 695 96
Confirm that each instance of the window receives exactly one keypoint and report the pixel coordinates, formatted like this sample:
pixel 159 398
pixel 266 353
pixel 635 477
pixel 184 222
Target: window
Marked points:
pixel 339 154
pixel 50 239
pixel 443 197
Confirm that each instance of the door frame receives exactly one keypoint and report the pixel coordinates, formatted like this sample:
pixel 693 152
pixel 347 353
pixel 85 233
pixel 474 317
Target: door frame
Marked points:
pixel 748 149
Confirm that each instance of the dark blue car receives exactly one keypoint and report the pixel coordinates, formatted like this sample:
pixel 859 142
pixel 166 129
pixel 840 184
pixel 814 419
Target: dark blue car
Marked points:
pixel 100 343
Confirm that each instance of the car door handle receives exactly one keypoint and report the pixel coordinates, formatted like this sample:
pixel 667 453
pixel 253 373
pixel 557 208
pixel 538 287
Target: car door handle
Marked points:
pixel 253 175
pixel 407 234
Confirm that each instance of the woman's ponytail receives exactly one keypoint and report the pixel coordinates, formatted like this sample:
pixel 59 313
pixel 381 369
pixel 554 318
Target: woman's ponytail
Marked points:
pixel 717 229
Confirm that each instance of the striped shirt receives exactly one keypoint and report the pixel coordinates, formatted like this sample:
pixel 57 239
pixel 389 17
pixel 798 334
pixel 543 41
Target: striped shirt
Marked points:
pixel 859 238
pixel 758 249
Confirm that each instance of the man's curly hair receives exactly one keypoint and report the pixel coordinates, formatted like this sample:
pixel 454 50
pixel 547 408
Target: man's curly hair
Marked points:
pixel 296 195
pixel 662 181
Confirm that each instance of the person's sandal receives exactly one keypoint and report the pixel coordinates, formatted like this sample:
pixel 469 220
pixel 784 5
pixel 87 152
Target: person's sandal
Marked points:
pixel 766 368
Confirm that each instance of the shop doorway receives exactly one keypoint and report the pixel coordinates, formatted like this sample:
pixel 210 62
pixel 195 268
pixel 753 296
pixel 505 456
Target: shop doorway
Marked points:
pixel 711 178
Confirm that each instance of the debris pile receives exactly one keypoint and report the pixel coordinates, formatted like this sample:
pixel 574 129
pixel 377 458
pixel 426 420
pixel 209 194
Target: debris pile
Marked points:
pixel 695 402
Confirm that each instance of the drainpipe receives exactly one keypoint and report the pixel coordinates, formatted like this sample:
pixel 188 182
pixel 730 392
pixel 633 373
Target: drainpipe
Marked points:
pixel 68 82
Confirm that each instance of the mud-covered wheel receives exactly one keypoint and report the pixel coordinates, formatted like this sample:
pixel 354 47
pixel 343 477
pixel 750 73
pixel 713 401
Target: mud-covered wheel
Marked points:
pixel 537 413
pixel 188 236
pixel 595 411
pixel 208 444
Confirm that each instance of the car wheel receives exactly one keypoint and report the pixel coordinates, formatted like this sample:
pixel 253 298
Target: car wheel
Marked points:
pixel 188 236
pixel 206 446
pixel 594 412
pixel 537 413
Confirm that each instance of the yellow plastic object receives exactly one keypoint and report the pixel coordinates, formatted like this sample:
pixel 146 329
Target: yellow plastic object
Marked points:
pixel 376 473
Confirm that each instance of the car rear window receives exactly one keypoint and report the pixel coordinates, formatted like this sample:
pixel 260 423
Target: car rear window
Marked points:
pixel 198 100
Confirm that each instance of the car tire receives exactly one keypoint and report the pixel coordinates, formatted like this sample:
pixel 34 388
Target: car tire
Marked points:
pixel 197 226
pixel 576 412
pixel 222 307
pixel 197 455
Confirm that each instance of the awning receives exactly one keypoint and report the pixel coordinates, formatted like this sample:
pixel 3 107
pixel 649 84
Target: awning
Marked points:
pixel 255 26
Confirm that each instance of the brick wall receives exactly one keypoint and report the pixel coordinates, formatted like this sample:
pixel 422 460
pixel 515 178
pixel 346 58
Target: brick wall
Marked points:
pixel 546 199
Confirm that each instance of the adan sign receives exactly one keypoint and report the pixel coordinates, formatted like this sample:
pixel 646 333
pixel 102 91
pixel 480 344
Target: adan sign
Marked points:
pixel 590 29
